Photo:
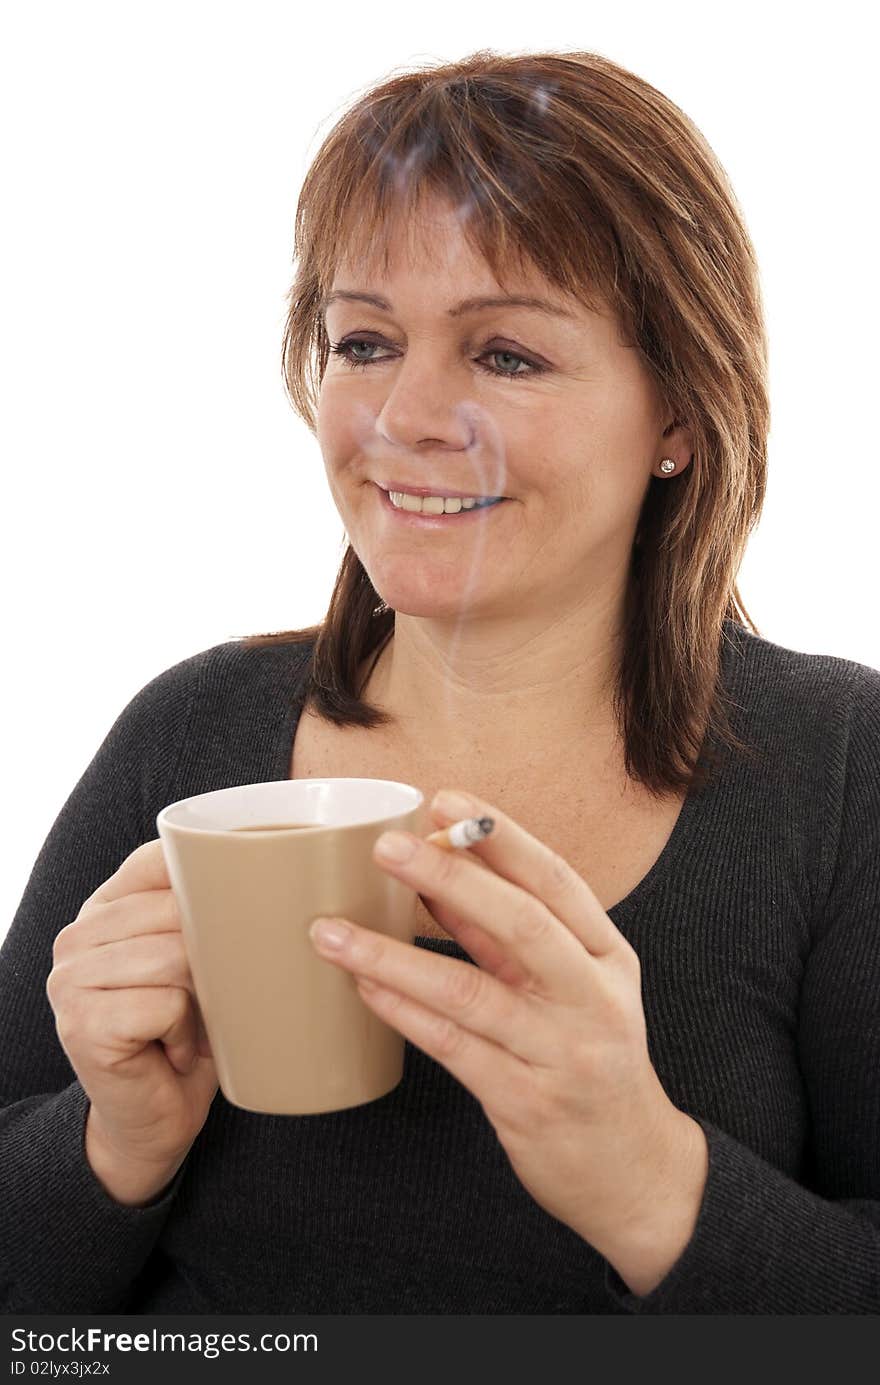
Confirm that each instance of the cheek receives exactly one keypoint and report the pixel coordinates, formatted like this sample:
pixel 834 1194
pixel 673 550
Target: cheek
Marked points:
pixel 345 424
pixel 607 451
pixel 330 416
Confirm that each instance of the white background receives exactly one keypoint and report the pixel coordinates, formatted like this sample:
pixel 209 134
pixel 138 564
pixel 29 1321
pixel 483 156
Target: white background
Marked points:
pixel 159 494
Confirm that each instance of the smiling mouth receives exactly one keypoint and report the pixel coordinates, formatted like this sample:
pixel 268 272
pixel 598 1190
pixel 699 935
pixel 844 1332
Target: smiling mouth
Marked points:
pixel 435 518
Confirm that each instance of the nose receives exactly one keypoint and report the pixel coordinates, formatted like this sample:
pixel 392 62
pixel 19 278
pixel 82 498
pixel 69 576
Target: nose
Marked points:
pixel 423 404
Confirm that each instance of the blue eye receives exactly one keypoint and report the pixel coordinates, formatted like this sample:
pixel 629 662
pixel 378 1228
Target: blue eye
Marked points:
pixel 343 350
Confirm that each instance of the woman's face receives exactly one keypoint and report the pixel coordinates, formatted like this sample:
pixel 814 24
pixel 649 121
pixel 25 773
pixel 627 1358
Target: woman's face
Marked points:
pixel 545 408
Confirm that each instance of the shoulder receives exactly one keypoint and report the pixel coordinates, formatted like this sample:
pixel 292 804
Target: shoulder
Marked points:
pixel 225 696
pixel 801 693
pixel 216 713
pixel 816 718
pixel 232 671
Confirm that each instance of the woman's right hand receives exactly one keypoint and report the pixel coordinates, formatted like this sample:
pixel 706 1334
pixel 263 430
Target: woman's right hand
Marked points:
pixel 128 1019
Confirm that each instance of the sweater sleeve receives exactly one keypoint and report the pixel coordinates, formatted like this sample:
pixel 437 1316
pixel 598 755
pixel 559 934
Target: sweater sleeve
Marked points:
pixel 763 1242
pixel 66 1246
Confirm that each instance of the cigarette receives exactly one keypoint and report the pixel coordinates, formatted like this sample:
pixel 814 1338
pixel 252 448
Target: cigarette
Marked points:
pixel 462 833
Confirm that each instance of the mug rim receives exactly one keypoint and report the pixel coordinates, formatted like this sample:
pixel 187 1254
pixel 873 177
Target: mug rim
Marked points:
pixel 164 818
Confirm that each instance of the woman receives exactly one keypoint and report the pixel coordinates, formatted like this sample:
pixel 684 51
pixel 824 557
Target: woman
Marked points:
pixel 642 1015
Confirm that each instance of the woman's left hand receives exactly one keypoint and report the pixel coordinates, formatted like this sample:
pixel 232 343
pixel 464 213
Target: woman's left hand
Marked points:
pixel 547 1030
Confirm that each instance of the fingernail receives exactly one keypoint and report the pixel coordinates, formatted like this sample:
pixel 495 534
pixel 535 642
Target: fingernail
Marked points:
pixel 329 933
pixel 395 846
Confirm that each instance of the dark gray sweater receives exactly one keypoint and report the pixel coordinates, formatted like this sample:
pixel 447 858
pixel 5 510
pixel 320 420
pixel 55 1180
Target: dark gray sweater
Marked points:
pixel 758 931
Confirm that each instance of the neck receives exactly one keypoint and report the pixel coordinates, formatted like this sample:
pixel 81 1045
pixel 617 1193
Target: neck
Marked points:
pixel 495 696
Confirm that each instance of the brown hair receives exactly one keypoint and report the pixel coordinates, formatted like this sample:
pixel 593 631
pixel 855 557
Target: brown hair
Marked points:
pixel 578 167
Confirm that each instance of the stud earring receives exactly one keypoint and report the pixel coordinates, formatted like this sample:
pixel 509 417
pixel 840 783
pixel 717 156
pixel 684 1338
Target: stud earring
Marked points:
pixel 667 465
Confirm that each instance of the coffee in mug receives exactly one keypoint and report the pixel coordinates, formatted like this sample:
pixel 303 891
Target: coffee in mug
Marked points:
pixel 274 826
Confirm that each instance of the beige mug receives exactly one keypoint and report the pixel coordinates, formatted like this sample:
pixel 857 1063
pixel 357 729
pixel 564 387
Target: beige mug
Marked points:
pixel 250 868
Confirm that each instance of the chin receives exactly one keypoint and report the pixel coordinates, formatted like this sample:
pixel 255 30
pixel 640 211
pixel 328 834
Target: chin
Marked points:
pixel 458 606
pixel 427 607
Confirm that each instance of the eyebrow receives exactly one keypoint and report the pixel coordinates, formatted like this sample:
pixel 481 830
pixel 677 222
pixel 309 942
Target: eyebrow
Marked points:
pixel 467 305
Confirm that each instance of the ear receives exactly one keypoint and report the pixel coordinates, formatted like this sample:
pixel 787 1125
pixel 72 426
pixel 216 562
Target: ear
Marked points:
pixel 676 442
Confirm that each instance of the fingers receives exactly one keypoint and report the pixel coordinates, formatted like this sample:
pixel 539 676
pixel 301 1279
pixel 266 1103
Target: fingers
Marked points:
pixel 518 922
pixel 144 869
pixel 488 954
pixel 182 1038
pixel 465 994
pixel 541 873
pixel 151 911
pixel 131 943
pixel 148 959
pixel 93 1024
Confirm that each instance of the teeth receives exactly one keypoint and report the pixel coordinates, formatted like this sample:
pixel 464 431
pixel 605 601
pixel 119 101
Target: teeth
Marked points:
pixel 432 504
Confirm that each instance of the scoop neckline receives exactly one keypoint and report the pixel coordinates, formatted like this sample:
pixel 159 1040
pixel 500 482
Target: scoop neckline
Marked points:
pixel 676 843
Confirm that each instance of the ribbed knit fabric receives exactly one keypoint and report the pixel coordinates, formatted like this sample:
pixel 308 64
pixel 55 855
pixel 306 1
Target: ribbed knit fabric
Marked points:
pixel 758 930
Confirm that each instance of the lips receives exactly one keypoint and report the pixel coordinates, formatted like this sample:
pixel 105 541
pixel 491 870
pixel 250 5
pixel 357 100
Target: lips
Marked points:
pixel 430 490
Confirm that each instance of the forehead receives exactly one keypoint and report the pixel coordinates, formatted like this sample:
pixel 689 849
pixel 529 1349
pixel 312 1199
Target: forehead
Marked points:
pixel 438 240
pixel 437 247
